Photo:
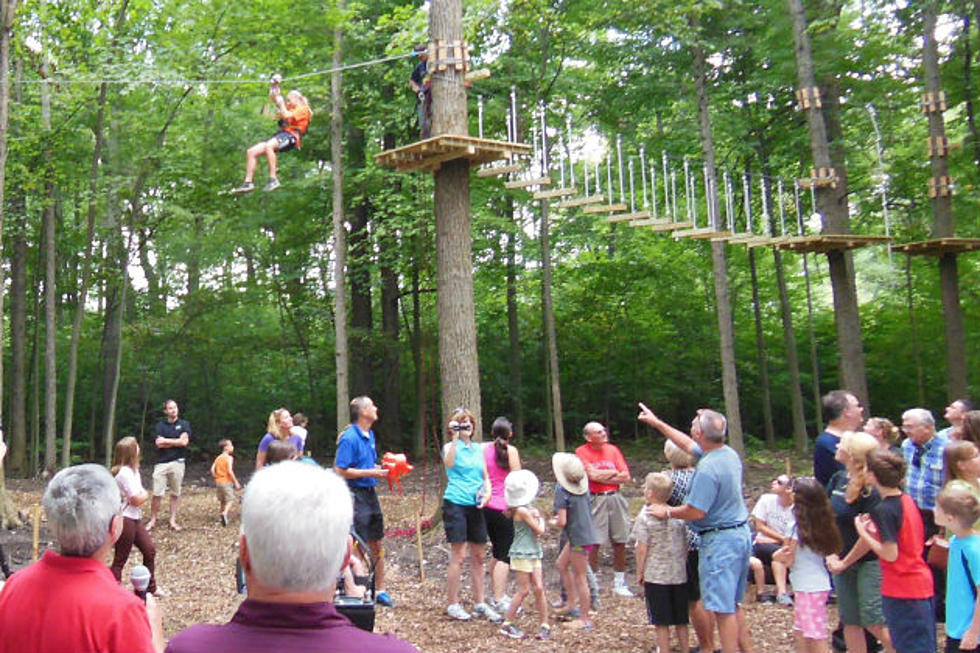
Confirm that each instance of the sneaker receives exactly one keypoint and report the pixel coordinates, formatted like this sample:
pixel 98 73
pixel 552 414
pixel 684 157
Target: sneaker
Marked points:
pixel 596 602
pixel 622 590
pixel 488 613
pixel 511 631
pixel 501 606
pixel 272 185
pixel 160 593
pixel 224 519
pixel 544 633
pixel 569 615
pixel 456 611
pixel 784 599
pixel 247 187
pixel 384 599
pixel 766 598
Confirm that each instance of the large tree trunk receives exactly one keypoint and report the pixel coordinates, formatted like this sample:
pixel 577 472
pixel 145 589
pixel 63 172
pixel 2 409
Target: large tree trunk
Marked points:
pixel 17 459
pixel 362 357
pixel 339 230
pixel 719 260
pixel 8 514
pixel 513 325
pixel 50 288
pixel 458 360
pixel 832 204
pixel 942 213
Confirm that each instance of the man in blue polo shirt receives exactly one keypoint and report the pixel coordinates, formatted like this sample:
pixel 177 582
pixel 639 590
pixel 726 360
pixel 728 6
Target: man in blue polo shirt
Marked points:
pixel 716 510
pixel 357 461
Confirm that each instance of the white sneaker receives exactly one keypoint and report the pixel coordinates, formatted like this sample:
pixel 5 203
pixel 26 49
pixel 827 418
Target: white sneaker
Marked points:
pixel 456 611
pixel 622 590
pixel 488 613
pixel 501 606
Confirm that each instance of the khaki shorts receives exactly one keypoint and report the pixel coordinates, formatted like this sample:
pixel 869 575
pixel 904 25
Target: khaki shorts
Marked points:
pixel 226 492
pixel 168 475
pixel 527 565
pixel 611 518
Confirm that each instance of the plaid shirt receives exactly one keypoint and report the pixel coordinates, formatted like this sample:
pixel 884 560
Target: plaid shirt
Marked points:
pixel 678 494
pixel 925 474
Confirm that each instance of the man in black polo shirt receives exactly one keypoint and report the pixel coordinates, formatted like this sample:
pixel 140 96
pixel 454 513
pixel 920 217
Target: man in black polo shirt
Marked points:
pixel 173 436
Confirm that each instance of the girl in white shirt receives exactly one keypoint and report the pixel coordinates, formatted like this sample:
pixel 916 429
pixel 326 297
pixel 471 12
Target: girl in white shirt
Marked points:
pixel 126 469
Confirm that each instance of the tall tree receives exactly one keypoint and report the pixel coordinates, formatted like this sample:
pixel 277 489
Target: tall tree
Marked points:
pixel 339 230
pixel 50 282
pixel 942 210
pixel 458 358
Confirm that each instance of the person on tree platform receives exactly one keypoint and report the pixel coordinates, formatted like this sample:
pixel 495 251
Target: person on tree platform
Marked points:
pixel 420 84
pixel 294 114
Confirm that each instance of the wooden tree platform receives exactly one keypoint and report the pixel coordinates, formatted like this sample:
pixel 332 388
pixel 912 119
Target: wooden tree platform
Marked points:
pixel 581 201
pixel 938 246
pixel 554 194
pixel 831 242
pixel 605 208
pixel 431 153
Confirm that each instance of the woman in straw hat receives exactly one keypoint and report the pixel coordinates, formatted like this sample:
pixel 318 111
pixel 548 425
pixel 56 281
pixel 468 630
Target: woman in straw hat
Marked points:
pixel 573 512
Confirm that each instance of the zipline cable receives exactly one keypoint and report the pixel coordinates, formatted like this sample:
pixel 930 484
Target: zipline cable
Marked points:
pixel 188 82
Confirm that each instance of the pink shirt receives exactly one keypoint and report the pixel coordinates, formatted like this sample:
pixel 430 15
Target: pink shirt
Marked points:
pixel 497 476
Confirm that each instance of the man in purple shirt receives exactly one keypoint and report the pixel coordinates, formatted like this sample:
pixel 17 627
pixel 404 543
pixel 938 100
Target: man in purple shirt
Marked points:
pixel 295 524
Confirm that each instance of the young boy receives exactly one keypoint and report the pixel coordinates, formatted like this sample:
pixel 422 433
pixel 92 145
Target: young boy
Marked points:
pixel 894 531
pixel 661 564
pixel 223 471
pixel 958 511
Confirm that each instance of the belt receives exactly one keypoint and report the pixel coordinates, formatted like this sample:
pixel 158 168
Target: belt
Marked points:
pixel 603 494
pixel 722 528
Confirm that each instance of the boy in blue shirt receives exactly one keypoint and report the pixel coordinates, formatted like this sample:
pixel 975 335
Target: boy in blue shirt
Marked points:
pixel 958 510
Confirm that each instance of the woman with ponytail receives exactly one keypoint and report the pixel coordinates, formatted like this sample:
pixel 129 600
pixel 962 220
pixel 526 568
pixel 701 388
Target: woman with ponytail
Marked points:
pixel 502 458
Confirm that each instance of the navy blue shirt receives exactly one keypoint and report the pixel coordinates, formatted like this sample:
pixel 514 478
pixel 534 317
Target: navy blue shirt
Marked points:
pixel 825 464
pixel 172 431
pixel 357 450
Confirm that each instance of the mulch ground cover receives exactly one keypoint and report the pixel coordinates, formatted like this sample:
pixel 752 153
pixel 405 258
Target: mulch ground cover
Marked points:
pixel 196 568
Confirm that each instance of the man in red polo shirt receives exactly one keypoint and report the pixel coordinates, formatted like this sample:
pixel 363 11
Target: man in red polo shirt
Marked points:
pixel 607 470
pixel 69 601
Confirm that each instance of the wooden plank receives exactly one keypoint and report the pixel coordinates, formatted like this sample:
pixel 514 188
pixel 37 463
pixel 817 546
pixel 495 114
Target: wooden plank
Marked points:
pixel 621 217
pixel 497 171
pixel 671 226
pixel 695 231
pixel 711 234
pixel 525 183
pixel 551 194
pixel 939 246
pixel 831 242
pixel 604 208
pixel 636 216
pixel 581 201
pixel 737 238
pixel 650 222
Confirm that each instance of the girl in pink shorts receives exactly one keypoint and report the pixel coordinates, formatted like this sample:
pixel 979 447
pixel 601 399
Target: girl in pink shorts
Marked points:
pixel 814 537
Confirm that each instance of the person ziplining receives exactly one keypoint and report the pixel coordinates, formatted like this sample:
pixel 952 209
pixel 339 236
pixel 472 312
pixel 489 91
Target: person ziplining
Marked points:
pixel 294 114
pixel 420 82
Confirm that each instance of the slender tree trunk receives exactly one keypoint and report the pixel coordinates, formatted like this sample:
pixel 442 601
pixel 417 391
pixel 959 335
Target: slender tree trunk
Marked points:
pixel 418 360
pixel 833 207
pixel 458 358
pixel 362 354
pixel 339 230
pixel 914 331
pixel 942 213
pixel 17 458
pixel 792 357
pixel 8 513
pixel 50 288
pixel 719 260
pixel 969 92
pixel 513 325
pixel 388 247
pixel 76 327
pixel 760 345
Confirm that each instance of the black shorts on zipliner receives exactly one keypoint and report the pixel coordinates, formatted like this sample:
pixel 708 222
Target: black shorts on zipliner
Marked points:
pixel 368 521
pixel 285 140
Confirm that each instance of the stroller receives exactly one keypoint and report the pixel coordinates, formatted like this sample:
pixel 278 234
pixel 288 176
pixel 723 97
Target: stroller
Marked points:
pixel 359 609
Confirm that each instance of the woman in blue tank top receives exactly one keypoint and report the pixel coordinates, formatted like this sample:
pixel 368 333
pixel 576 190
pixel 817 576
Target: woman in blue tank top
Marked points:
pixel 467 491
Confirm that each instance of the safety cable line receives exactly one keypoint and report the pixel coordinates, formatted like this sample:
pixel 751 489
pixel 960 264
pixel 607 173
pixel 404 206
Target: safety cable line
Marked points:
pixel 185 82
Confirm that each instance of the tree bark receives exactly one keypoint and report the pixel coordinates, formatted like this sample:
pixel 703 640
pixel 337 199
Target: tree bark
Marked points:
pixel 17 457
pixel 513 324
pixel 760 346
pixel 362 358
pixel 942 214
pixel 50 287
pixel 719 260
pixel 832 204
pixel 458 358
pixel 339 230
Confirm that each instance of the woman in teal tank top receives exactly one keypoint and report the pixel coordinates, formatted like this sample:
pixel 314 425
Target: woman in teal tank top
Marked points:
pixel 467 491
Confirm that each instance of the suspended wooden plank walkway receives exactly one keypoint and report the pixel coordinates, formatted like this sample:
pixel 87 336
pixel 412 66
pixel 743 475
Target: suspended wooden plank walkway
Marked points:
pixel 938 246
pixel 700 233
pixel 629 217
pixel 667 225
pixel 831 242
pixel 554 194
pixel 650 222
pixel 605 208
pixel 527 183
pixel 431 153
pixel 581 201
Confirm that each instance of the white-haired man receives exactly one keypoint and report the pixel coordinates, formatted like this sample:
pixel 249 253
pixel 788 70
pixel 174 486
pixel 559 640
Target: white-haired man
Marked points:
pixel 716 509
pixel 69 601
pixel 296 519
pixel 923 452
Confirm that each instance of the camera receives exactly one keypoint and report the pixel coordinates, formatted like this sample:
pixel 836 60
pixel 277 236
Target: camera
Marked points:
pixel 460 426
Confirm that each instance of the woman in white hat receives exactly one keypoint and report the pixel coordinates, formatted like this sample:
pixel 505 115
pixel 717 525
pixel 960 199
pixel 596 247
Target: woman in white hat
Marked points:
pixel 520 488
pixel 573 512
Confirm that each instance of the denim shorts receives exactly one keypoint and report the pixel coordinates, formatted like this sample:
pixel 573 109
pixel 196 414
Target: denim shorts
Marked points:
pixel 912 623
pixel 724 567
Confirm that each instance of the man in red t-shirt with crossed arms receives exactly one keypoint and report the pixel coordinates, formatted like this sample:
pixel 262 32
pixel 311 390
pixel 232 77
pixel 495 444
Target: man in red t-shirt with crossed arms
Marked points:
pixel 607 470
